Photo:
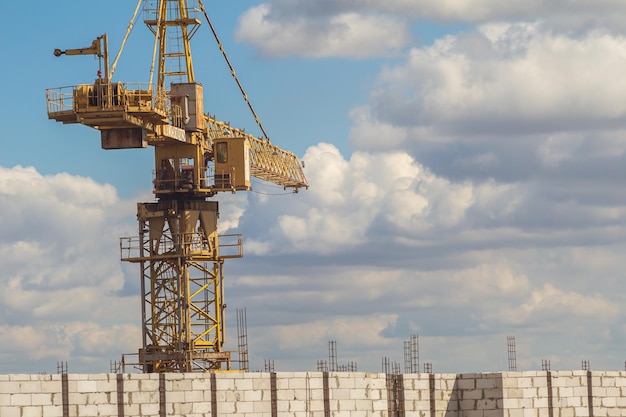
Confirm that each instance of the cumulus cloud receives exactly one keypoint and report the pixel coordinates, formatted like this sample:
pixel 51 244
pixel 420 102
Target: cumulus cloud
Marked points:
pixel 481 199
pixel 351 34
pixel 367 28
pixel 479 10
pixel 512 102
pixel 60 262
pixel 502 79
pixel 380 235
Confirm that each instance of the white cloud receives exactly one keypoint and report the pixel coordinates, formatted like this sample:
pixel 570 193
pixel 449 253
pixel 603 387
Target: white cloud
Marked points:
pixel 61 262
pixel 351 199
pixel 351 34
pixel 483 199
pixel 368 28
pixel 521 78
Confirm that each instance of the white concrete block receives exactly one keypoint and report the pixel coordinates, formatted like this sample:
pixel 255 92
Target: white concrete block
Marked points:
pixel 609 401
pixel 176 397
pixel 511 403
pixel 487 404
pixel 363 405
pixel 143 397
pixel 224 383
pixel 544 412
pixel 107 410
pixel 254 395
pixel 620 382
pixel 529 392
pixel 474 394
pixel 32 411
pixel 149 385
pixel 573 402
pixel 131 385
pixel 149 409
pixel 261 407
pixel 466 384
pixel 11 411
pixel 243 384
pixel 182 409
pixel 183 384
pixel 193 396
pixel 19 377
pixel 87 411
pixel 201 384
pixel 132 409
pixel 232 396
pixel 509 382
pixel 243 407
pixel 564 392
pixel 607 381
pixel 50 411
pixel 200 407
pixel 20 399
pixel 261 384
pixel 9 387
pixel 30 387
pixel 347 381
pixel 41 399
pixel 621 402
pixel 492 393
pixel 582 412
pixel 531 412
pixel 540 402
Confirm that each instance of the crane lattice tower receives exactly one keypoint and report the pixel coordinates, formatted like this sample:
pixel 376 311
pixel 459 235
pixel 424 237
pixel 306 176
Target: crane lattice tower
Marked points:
pixel 178 248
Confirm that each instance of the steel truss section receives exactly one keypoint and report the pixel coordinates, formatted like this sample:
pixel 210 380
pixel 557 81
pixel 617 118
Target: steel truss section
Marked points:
pixel 182 275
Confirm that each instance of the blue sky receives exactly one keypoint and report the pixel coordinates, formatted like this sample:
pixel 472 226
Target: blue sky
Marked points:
pixel 466 165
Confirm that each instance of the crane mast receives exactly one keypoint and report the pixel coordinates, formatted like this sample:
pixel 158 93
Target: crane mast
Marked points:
pixel 178 249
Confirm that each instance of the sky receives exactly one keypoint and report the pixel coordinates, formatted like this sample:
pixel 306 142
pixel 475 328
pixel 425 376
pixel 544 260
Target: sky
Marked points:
pixel 466 163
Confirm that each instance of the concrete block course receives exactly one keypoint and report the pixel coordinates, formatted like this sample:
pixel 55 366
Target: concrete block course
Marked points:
pixel 509 394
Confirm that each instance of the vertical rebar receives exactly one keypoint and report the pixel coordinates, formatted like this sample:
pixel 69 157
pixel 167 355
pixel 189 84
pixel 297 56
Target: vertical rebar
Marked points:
pixel 510 340
pixel 428 367
pixel 332 355
pixel 415 353
pixel 585 365
pixel 408 365
pixel 242 339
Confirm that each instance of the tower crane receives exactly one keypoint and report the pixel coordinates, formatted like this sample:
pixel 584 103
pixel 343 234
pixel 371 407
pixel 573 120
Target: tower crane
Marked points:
pixel 178 249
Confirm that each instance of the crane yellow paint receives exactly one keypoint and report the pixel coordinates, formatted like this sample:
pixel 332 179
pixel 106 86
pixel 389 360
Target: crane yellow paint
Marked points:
pixel 179 251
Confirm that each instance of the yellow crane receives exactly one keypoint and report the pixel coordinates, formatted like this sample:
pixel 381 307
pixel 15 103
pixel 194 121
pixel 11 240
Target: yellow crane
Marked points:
pixel 178 249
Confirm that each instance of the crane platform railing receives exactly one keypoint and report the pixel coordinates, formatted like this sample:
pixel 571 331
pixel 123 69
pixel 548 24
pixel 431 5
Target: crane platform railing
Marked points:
pixel 183 181
pixel 182 245
pixel 91 104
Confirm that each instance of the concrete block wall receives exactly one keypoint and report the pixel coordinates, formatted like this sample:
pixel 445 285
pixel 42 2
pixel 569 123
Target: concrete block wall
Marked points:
pixel 564 394
pixel 313 394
